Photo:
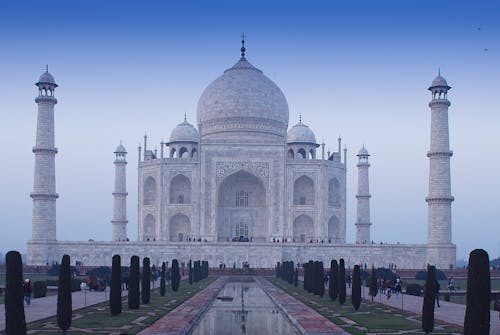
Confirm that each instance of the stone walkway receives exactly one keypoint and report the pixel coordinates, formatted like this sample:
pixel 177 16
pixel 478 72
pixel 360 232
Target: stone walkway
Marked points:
pixel 449 312
pixel 42 308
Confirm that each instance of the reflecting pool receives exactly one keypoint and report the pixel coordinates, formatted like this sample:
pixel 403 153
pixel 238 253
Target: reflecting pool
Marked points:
pixel 250 311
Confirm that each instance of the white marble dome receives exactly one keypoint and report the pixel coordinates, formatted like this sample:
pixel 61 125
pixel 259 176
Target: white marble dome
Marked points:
pixel 363 152
pixel 439 81
pixel 46 78
pixel 300 133
pixel 184 132
pixel 241 100
pixel 120 149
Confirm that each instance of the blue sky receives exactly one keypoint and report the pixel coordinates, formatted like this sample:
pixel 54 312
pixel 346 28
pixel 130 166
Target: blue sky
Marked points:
pixel 359 69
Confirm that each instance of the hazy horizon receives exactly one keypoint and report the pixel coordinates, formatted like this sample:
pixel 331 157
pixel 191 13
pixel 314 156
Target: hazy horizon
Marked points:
pixel 359 70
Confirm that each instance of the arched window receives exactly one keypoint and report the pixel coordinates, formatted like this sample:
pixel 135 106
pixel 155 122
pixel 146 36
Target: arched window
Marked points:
pixel 334 229
pixel 183 153
pixel 149 228
pixel 291 154
pixel 333 192
pixel 241 229
pixel 241 199
pixel 303 228
pixel 312 154
pixel 194 153
pixel 149 191
pixel 303 191
pixel 180 190
pixel 302 153
pixel 180 228
pixel 172 153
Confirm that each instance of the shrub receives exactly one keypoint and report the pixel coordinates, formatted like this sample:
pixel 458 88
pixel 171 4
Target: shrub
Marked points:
pixel 146 281
pixel 64 303
pixel 386 274
pixel 296 278
pixel 176 276
pixel 133 284
pixel 75 285
pixel 333 285
pixel 162 280
pixel 356 287
pixel 190 273
pixel 440 275
pixel 39 289
pixel 342 292
pixel 15 321
pixel 429 300
pixel 477 313
pixel 414 289
pixel 115 293
pixel 373 284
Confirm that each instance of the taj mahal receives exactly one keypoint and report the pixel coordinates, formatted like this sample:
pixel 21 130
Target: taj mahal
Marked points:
pixel 244 185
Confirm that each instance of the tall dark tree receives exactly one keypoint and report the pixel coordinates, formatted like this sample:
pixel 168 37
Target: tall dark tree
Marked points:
pixel 342 292
pixel 133 283
pixel 477 313
pixel 296 277
pixel 356 287
pixel 333 285
pixel 64 303
pixel 373 286
pixel 162 280
pixel 176 276
pixel 115 293
pixel 290 272
pixel 146 281
pixel 310 276
pixel 429 300
pixel 15 321
pixel 278 269
pixel 321 280
pixel 190 273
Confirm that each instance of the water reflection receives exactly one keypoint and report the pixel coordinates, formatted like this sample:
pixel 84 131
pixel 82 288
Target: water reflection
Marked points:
pixel 251 312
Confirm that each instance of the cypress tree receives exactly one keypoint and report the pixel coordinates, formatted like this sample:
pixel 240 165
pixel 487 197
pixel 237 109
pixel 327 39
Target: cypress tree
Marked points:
pixel 115 293
pixel 176 276
pixel 15 321
pixel 190 273
pixel 477 313
pixel 356 287
pixel 342 292
pixel 133 284
pixel 64 303
pixel 334 280
pixel 310 276
pixel 315 284
pixel 304 283
pixel 321 280
pixel 429 300
pixel 278 270
pixel 162 280
pixel 290 273
pixel 146 281
pixel 373 286
pixel 296 278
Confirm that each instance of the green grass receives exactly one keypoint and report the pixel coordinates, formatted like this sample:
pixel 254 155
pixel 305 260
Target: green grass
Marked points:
pixel 97 319
pixel 382 319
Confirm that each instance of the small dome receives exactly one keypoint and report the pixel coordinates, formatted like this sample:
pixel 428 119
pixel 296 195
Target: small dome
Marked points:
pixel 363 152
pixel 47 78
pixel 184 132
pixel 300 133
pixel 439 81
pixel 120 149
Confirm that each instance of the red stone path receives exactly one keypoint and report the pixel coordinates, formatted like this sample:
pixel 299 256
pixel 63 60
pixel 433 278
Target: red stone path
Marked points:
pixel 307 320
pixel 182 319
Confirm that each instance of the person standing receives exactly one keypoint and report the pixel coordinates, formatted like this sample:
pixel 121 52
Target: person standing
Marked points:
pixel 27 288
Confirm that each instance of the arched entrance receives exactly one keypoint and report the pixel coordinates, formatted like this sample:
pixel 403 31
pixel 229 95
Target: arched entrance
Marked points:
pixel 242 208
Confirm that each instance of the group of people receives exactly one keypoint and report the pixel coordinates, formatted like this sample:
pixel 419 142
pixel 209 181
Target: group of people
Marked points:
pixel 387 288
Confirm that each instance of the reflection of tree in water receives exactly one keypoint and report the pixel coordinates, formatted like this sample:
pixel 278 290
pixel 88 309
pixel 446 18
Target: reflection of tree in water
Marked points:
pixel 241 315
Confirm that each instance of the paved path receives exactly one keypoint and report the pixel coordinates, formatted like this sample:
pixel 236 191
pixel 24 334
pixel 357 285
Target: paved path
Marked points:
pixel 42 308
pixel 449 312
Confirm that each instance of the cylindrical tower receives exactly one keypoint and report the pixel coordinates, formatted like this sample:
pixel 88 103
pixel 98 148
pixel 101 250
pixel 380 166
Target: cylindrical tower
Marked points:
pixel 120 196
pixel 44 187
pixel 363 198
pixel 439 198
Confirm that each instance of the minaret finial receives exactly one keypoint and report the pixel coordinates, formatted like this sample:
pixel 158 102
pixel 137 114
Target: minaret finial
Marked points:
pixel 185 117
pixel 243 45
pixel 300 118
pixel 47 68
pixel 439 71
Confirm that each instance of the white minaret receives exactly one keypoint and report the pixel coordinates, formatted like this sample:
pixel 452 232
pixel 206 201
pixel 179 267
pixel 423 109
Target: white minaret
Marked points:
pixel 363 197
pixel 44 187
pixel 440 252
pixel 120 196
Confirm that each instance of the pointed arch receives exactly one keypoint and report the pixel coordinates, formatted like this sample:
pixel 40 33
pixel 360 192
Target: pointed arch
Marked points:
pixel 333 192
pixel 334 229
pixel 303 228
pixel 291 155
pixel 303 191
pixel 183 152
pixel 180 190
pixel 194 153
pixel 149 191
pixel 149 228
pixel 302 153
pixel 180 228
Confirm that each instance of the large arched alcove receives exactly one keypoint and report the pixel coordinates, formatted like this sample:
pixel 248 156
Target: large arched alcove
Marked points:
pixel 333 192
pixel 303 191
pixel 149 191
pixel 180 228
pixel 242 208
pixel 180 190
pixel 149 228
pixel 334 229
pixel 303 228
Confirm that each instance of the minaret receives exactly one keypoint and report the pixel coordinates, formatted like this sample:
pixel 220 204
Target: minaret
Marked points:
pixel 440 252
pixel 120 196
pixel 363 198
pixel 44 187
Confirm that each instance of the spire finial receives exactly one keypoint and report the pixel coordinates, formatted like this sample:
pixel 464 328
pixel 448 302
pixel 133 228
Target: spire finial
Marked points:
pixel 47 68
pixel 185 117
pixel 243 45
pixel 439 71
pixel 300 118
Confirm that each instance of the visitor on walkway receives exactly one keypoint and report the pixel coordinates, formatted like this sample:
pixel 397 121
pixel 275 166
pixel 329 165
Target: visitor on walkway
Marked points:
pixel 451 284
pixel 27 288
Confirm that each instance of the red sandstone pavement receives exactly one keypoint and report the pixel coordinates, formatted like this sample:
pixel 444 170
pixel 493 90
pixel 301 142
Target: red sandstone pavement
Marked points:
pixel 182 319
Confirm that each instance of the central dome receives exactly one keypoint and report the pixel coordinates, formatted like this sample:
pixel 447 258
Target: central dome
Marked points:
pixel 242 100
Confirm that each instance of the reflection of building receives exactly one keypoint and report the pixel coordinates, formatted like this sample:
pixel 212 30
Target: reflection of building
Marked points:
pixel 243 175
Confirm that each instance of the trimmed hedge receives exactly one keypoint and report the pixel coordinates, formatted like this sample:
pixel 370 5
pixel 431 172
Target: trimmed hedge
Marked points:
pixel 15 321
pixel 414 289
pixel 39 289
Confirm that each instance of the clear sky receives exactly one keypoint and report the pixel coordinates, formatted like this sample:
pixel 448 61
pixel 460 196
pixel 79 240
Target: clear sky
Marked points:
pixel 359 69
